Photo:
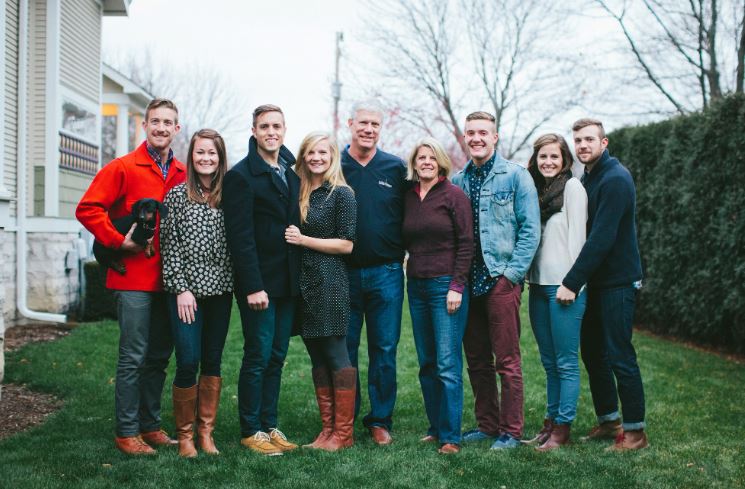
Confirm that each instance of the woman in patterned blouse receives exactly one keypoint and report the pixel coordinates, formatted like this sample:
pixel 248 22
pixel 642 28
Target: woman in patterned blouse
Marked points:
pixel 328 215
pixel 197 274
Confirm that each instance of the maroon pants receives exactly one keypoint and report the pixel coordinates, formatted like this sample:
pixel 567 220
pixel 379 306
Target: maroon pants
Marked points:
pixel 492 346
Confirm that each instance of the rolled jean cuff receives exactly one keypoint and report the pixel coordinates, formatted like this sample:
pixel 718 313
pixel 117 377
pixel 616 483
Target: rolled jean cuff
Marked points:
pixel 609 417
pixel 634 426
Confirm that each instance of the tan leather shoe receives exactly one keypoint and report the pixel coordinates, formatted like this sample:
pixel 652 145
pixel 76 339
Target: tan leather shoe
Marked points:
pixel 133 445
pixel 543 435
pixel 604 431
pixel 449 449
pixel 260 443
pixel 158 438
pixel 280 441
pixel 380 435
pixel 629 440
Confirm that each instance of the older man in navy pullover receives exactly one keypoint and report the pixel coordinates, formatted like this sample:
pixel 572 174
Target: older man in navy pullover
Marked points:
pixel 610 266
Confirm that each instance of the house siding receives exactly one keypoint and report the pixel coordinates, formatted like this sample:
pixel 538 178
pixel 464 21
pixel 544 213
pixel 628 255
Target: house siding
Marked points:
pixel 10 156
pixel 80 47
pixel 36 96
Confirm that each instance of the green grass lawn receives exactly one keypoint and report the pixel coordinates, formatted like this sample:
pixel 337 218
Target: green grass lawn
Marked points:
pixel 695 413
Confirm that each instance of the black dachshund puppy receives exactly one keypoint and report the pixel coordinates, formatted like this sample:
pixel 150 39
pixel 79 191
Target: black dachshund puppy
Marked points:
pixel 144 213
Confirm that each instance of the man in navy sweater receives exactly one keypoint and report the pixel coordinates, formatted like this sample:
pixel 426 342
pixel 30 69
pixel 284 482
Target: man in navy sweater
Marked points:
pixel 376 281
pixel 610 266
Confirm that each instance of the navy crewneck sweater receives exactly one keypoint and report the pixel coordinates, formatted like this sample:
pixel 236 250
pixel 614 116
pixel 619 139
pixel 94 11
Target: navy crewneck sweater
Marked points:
pixel 610 256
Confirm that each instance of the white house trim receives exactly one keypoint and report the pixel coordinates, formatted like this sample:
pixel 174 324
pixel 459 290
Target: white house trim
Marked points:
pixel 4 194
pixel 53 110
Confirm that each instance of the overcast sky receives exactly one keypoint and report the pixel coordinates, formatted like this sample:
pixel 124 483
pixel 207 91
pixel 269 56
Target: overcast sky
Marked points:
pixel 280 52
pixel 276 52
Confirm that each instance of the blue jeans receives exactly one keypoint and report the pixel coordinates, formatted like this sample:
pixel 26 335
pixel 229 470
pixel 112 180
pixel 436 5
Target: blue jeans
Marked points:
pixel 376 296
pixel 556 329
pixel 202 341
pixel 266 337
pixel 610 358
pixel 438 337
pixel 145 345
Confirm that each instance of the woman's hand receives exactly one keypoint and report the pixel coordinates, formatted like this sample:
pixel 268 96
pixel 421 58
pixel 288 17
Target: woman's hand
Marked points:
pixel 186 305
pixel 293 235
pixel 454 299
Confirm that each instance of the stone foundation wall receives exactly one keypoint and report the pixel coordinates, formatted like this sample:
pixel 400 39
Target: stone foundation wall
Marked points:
pixel 53 278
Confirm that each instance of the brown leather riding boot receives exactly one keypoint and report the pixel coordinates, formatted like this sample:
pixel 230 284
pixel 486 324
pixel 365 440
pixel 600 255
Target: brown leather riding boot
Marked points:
pixel 184 413
pixel 325 399
pixel 559 436
pixel 345 387
pixel 209 399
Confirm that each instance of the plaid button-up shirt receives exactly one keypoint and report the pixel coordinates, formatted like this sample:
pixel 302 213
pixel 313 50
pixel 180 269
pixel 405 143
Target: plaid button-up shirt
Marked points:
pixel 155 155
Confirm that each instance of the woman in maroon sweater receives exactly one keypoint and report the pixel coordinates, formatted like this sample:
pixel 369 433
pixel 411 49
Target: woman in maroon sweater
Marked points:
pixel 438 234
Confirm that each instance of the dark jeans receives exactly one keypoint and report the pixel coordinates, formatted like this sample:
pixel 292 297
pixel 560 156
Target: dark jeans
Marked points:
pixel 266 337
pixel 376 297
pixel 609 356
pixel 438 336
pixel 492 346
pixel 202 341
pixel 145 345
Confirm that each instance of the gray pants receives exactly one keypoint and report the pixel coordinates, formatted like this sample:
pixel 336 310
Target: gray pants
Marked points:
pixel 145 345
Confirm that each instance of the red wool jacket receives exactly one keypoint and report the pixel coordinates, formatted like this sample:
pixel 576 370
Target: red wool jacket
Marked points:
pixel 115 188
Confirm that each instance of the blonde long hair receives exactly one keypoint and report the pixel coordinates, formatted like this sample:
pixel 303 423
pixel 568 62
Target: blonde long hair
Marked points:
pixel 333 175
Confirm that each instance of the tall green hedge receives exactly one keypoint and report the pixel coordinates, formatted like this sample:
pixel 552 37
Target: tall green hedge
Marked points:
pixel 690 179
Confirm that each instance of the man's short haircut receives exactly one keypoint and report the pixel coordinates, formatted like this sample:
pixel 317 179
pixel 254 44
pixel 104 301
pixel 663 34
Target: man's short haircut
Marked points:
pixel 158 103
pixel 261 109
pixel 481 115
pixel 367 106
pixel 588 121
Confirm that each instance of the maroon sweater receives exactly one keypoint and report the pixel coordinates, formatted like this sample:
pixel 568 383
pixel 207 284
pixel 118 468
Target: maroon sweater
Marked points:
pixel 438 233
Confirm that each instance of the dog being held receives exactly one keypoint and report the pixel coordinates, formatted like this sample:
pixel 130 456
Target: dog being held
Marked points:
pixel 144 214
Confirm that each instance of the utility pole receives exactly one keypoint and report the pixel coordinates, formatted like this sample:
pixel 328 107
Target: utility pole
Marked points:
pixel 336 86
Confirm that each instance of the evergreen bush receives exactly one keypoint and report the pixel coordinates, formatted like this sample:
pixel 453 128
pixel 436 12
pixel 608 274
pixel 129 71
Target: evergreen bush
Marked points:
pixel 690 178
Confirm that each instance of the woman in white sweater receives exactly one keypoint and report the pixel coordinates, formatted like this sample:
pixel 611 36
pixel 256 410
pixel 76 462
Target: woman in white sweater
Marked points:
pixel 556 327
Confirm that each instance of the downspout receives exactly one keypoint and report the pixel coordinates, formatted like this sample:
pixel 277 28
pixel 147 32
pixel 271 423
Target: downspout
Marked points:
pixel 22 177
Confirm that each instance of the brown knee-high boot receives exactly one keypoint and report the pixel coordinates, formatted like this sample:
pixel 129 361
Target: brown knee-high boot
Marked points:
pixel 345 386
pixel 209 399
pixel 184 412
pixel 325 399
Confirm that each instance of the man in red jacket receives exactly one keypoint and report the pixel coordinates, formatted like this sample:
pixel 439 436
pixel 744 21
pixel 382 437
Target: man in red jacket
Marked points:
pixel 145 342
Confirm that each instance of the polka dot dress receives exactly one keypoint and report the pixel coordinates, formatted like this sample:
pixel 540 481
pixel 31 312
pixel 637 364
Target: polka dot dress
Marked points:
pixel 323 279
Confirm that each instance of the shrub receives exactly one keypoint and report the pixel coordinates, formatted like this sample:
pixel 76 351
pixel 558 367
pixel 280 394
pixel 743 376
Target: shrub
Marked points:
pixel 97 301
pixel 690 178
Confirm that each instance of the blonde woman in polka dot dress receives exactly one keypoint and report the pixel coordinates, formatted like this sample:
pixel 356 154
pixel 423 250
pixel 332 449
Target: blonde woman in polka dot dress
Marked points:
pixel 198 275
pixel 328 213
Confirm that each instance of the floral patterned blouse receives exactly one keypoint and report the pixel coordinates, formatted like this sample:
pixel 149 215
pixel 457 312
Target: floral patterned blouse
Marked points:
pixel 194 247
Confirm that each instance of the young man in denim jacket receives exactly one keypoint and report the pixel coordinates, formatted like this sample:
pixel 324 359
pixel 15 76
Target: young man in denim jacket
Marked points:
pixel 507 230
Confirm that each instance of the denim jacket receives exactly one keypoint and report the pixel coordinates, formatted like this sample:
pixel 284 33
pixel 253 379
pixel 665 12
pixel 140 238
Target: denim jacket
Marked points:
pixel 509 218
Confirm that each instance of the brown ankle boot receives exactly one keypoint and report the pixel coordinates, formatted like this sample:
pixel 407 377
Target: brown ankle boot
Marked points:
pixel 542 436
pixel 345 387
pixel 184 412
pixel 559 436
pixel 604 431
pixel 209 399
pixel 325 399
pixel 629 440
